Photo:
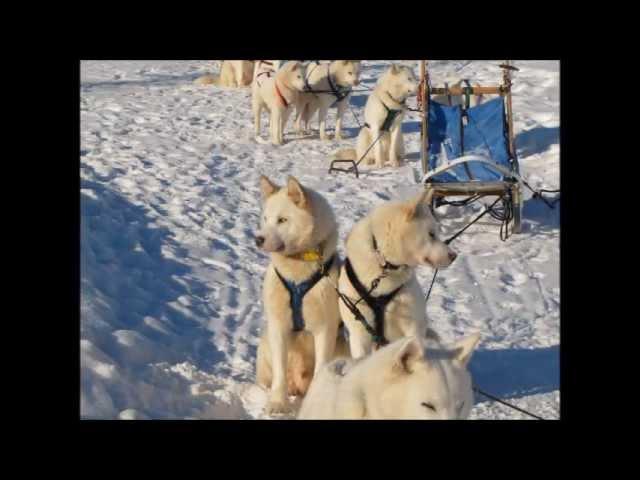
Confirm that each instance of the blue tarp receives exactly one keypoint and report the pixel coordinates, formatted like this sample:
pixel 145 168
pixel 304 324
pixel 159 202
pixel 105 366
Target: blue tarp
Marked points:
pixel 485 133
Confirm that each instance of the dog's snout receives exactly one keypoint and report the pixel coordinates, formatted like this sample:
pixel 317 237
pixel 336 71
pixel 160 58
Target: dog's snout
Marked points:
pixel 356 82
pixel 259 240
pixel 452 256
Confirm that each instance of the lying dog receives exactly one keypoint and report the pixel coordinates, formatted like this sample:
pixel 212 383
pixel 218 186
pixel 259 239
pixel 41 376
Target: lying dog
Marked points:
pixel 300 232
pixel 233 73
pixel 277 94
pixel 400 381
pixel 389 243
pixel 337 78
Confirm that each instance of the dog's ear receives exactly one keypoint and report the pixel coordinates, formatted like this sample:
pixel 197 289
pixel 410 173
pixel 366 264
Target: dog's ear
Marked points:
pixel 296 193
pixel 407 353
pixel 415 207
pixel 267 187
pixel 296 66
pixel 463 349
pixel 394 69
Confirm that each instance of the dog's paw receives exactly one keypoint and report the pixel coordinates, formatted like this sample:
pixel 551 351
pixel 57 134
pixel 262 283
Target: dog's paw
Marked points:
pixel 278 407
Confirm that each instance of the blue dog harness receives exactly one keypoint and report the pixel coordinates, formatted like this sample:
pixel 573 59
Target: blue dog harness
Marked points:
pixel 297 291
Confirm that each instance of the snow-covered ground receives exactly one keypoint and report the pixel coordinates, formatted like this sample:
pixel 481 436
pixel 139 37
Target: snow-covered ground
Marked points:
pixel 171 280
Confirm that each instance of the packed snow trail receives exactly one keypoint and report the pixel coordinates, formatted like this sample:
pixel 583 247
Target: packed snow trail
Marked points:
pixel 171 281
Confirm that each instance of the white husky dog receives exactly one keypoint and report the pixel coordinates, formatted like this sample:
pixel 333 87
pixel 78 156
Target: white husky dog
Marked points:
pixel 388 244
pixel 233 73
pixel 337 78
pixel 300 231
pixel 399 381
pixel 277 94
pixel 383 115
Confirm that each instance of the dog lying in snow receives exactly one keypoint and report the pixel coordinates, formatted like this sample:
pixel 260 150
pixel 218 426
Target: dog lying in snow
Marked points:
pixel 233 73
pixel 300 232
pixel 402 380
pixel 338 77
pixel 383 115
pixel 278 95
pixel 393 239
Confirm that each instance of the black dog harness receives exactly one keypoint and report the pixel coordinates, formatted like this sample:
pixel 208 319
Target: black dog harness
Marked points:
pixel 377 304
pixel 268 73
pixel 297 291
pixel 391 115
pixel 338 91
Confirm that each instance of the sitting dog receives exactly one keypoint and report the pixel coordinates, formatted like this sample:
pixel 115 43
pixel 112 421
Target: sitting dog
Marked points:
pixel 388 244
pixel 383 115
pixel 300 232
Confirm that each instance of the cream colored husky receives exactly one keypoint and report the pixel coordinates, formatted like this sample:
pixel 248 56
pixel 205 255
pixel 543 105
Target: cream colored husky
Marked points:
pixel 277 94
pixel 399 381
pixel 300 232
pixel 337 78
pixel 383 115
pixel 389 243
pixel 233 73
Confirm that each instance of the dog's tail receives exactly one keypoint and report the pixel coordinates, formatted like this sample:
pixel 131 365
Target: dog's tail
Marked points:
pixel 208 79
pixel 345 154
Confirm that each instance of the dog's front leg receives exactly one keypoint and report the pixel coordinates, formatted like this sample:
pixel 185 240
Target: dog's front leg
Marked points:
pixel 300 107
pixel 325 345
pixel 276 125
pixel 396 139
pixel 278 402
pixel 379 151
pixel 342 106
pixel 360 340
pixel 285 118
pixel 322 115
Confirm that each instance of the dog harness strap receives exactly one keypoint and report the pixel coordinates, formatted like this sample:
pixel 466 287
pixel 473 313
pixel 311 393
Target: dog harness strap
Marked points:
pixel 377 304
pixel 339 92
pixel 297 291
pixel 387 265
pixel 282 99
pixel 391 114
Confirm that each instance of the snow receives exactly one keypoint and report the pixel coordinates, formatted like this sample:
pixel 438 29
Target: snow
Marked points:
pixel 171 305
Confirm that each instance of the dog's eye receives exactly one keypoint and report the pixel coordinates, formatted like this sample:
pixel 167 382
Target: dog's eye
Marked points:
pixel 432 235
pixel 429 406
pixel 350 73
pixel 281 220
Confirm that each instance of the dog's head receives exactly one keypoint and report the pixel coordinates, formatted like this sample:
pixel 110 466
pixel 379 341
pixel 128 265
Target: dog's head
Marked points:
pixel 400 81
pixel 295 73
pixel 347 72
pixel 294 218
pixel 426 385
pixel 408 234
